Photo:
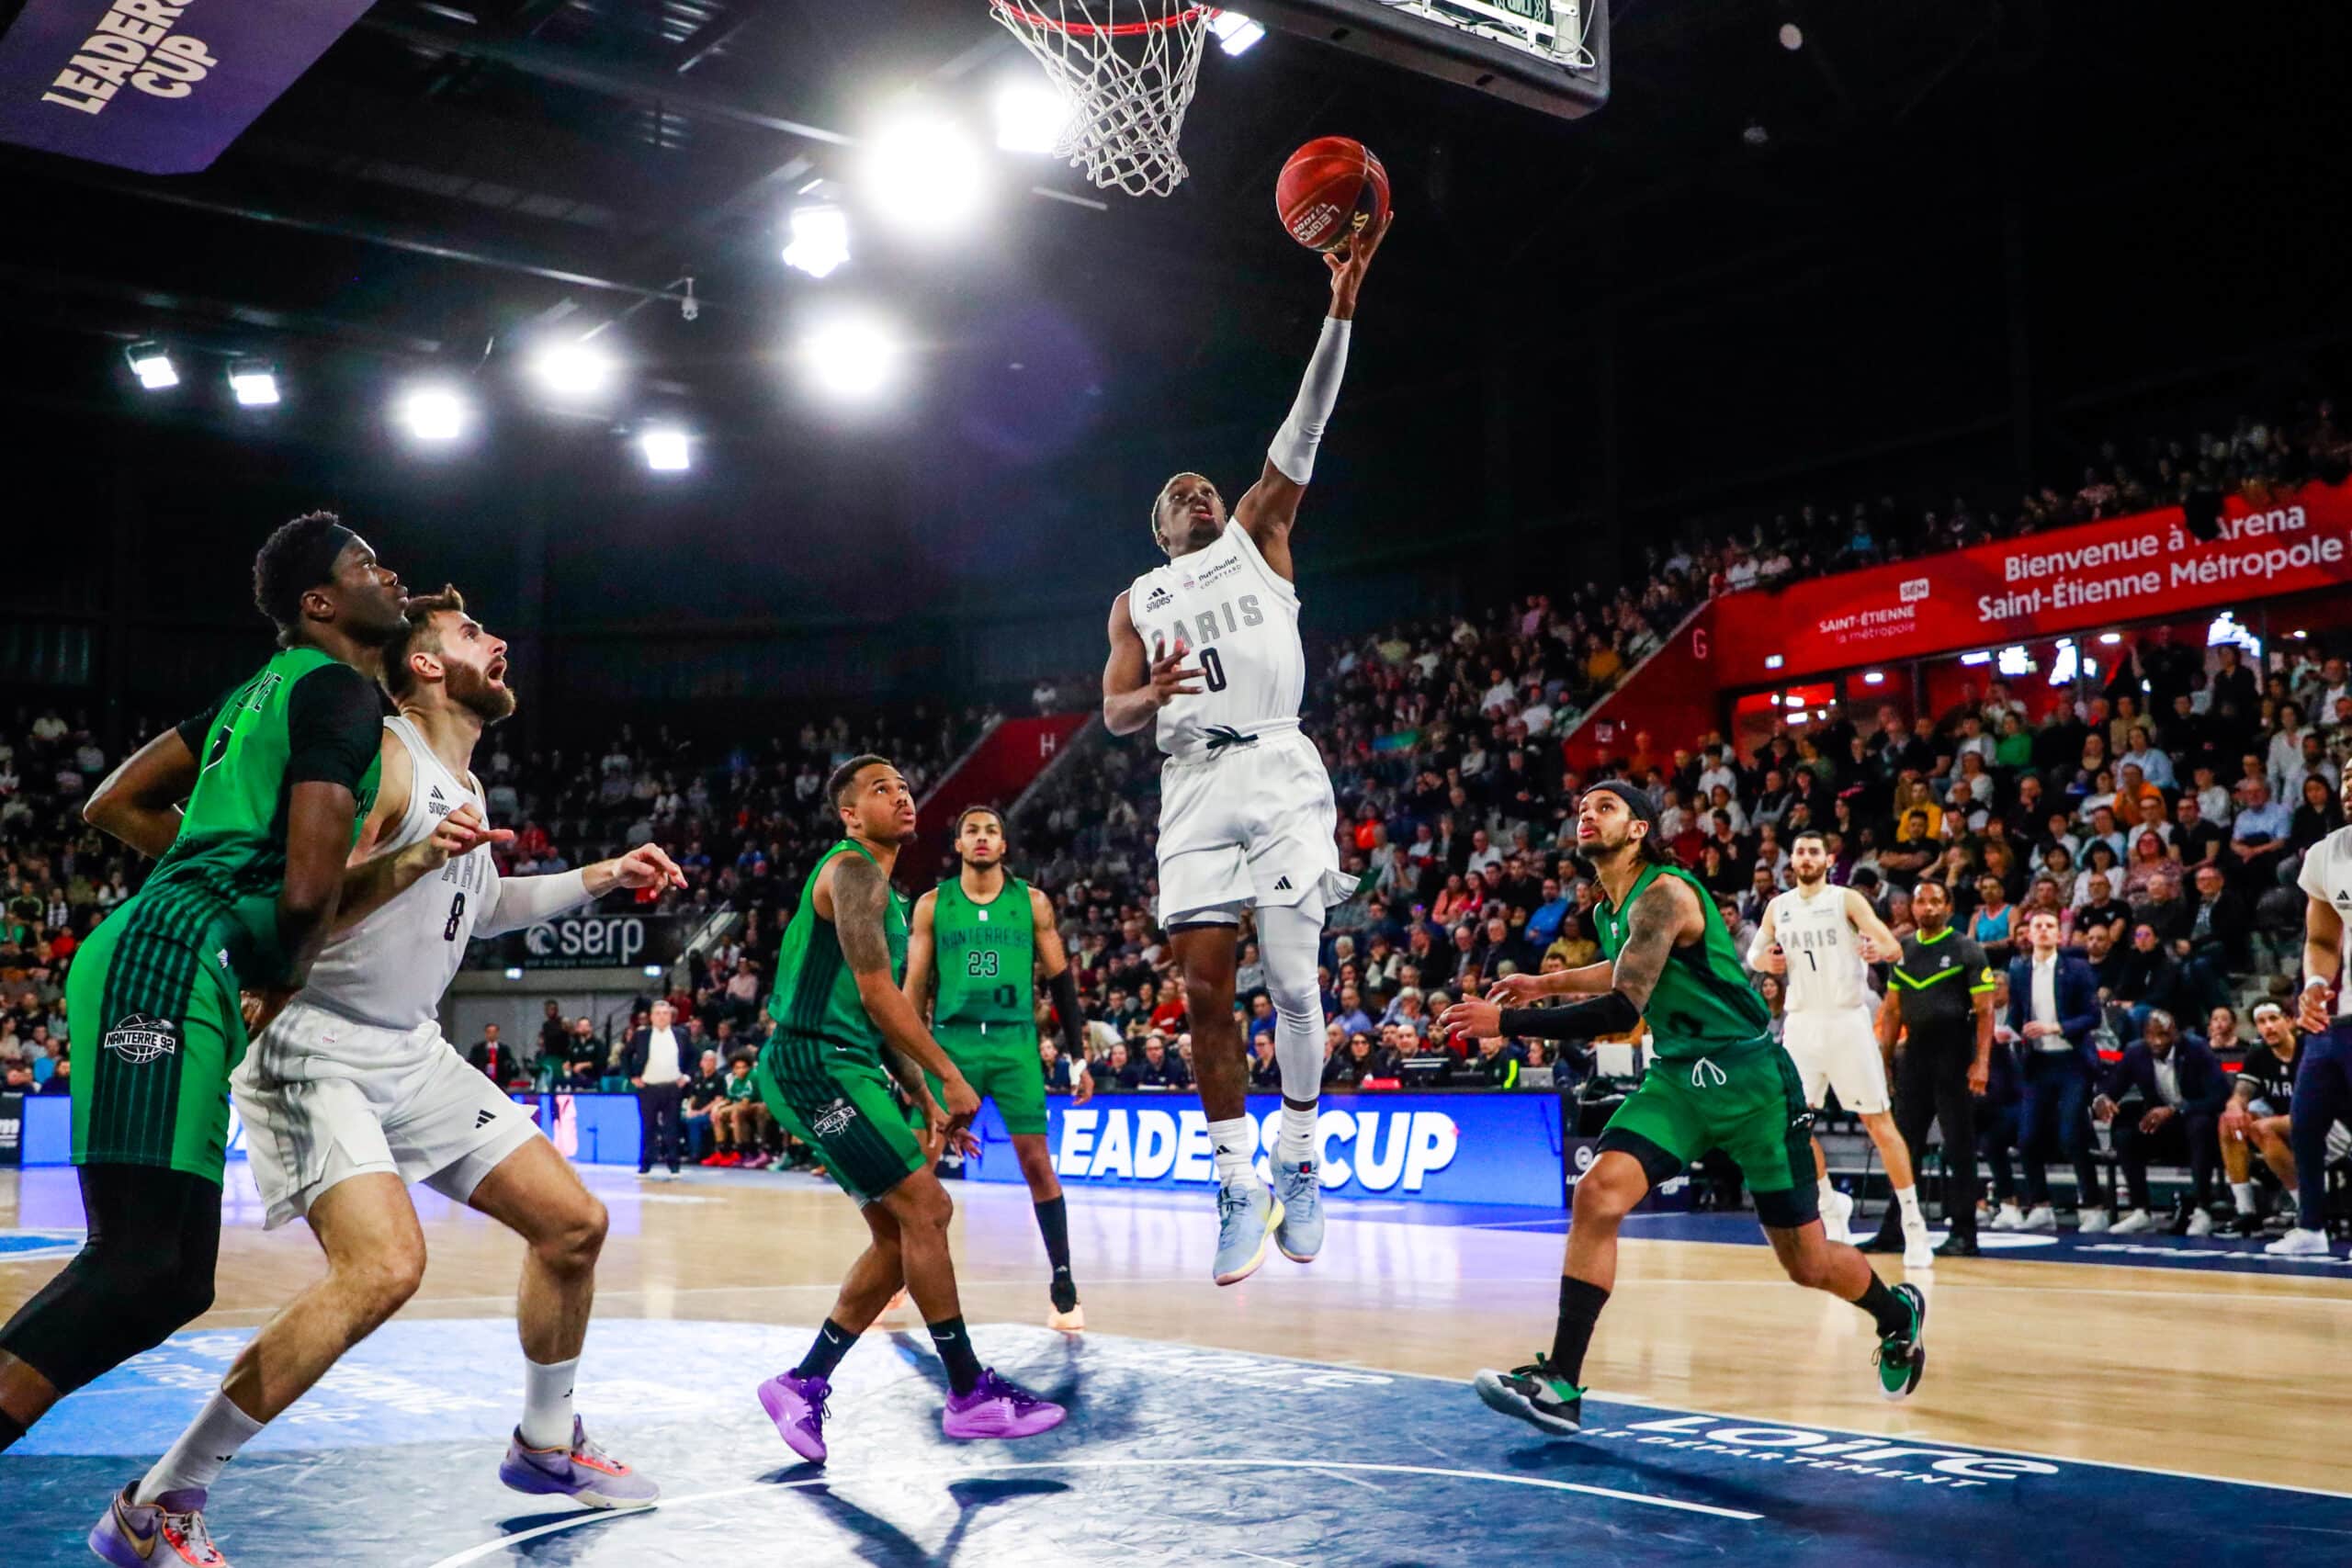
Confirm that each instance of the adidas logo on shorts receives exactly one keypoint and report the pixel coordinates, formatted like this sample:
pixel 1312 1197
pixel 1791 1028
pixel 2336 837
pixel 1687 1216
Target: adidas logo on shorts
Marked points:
pixel 483 1118
pixel 1282 885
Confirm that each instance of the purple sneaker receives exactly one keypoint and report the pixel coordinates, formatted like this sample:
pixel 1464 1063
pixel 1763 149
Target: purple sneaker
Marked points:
pixel 996 1408
pixel 143 1535
pixel 583 1472
pixel 797 1405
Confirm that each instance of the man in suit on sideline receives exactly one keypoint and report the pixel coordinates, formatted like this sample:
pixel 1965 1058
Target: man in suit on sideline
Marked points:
pixel 492 1058
pixel 2181 1090
pixel 655 1064
pixel 2053 1007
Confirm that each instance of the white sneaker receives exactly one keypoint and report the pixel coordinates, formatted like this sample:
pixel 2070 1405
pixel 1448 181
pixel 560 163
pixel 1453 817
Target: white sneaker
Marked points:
pixel 2200 1222
pixel 2008 1219
pixel 1919 1250
pixel 2299 1243
pixel 2040 1217
pixel 2133 1224
pixel 2096 1221
pixel 1837 1209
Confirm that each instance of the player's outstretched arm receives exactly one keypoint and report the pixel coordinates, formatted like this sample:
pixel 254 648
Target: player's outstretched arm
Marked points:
pixel 860 895
pixel 1589 979
pixel 1665 914
pixel 1136 687
pixel 921 941
pixel 525 901
pixel 1270 506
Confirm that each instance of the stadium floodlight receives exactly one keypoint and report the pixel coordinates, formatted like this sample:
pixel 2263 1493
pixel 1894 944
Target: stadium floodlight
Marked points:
pixel 1980 657
pixel 152 365
pixel 434 412
pixel 1874 678
pixel 1236 34
pixel 579 368
pixel 852 358
pixel 1029 116
pixel 255 382
pixel 666 447
pixel 513 971
pixel 1774 661
pixel 1792 36
pixel 820 241
pixel 924 172
pixel 2110 638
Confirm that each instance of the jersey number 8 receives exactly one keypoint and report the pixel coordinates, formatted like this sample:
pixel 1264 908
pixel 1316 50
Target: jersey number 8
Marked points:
pixel 457 913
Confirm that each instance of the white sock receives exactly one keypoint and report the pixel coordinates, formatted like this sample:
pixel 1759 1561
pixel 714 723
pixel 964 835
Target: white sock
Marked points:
pixel 210 1441
pixel 1288 940
pixel 546 1404
pixel 1235 1144
pixel 1297 1145
pixel 1909 1197
pixel 2242 1193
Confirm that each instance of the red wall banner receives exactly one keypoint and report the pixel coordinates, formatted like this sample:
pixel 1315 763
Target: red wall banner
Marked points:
pixel 2095 574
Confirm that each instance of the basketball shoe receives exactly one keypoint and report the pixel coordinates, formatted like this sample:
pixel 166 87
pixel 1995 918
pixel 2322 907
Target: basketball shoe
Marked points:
pixel 1299 1189
pixel 1535 1395
pixel 797 1405
pixel 580 1470
pixel 1246 1217
pixel 168 1531
pixel 1903 1356
pixel 996 1408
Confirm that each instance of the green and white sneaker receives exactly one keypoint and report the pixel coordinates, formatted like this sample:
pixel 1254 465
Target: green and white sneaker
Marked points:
pixel 1901 1356
pixel 1536 1394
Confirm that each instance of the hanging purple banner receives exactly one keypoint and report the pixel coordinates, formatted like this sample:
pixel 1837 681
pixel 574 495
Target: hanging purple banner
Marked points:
pixel 153 86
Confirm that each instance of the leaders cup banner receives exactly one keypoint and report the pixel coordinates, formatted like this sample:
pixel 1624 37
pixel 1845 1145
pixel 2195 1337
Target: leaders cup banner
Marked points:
pixel 2095 574
pixel 159 87
pixel 1440 1149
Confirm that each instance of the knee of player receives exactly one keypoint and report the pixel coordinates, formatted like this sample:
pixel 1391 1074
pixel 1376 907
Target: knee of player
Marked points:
pixel 1204 998
pixel 577 1241
pixel 1809 1264
pixel 386 1279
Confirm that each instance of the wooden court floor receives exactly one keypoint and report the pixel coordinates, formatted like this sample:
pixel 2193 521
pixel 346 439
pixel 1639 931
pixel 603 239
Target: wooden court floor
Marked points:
pixel 2234 1375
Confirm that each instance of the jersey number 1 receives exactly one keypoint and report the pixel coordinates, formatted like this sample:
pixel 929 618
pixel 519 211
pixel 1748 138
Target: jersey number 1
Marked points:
pixel 457 913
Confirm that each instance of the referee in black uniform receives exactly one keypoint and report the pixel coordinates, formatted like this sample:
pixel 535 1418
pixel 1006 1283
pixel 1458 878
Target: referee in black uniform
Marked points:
pixel 1941 998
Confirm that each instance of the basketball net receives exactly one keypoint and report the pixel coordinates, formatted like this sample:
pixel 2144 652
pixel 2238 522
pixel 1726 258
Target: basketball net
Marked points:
pixel 1127 68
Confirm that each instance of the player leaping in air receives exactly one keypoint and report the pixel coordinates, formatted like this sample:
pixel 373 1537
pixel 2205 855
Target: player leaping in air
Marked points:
pixel 1247 820
pixel 1717 1080
pixel 984 949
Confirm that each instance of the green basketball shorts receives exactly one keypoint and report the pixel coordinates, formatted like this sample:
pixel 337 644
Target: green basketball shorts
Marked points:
pixel 1746 1101
pixel 1000 1063
pixel 157 1029
pixel 840 1104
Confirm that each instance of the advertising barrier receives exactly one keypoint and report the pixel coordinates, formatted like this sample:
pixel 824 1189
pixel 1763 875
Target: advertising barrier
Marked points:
pixel 1442 1149
pixel 589 939
pixel 2095 574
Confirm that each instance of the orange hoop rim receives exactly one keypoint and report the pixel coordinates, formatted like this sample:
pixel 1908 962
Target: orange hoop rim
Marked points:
pixel 1096 29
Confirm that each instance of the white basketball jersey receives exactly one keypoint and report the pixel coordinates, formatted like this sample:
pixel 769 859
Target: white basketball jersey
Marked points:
pixel 2328 876
pixel 1827 973
pixel 391 968
pixel 1238 621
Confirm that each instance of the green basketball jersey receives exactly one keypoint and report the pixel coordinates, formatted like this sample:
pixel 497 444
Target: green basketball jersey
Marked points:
pixel 815 993
pixel 217 886
pixel 987 955
pixel 1703 1002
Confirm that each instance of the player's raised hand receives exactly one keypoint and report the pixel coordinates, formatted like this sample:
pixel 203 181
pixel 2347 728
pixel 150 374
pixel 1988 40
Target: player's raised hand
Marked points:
pixel 647 866
pixel 1348 263
pixel 1171 678
pixel 1517 991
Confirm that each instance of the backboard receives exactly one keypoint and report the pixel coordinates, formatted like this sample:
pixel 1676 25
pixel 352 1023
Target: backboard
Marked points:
pixel 1551 55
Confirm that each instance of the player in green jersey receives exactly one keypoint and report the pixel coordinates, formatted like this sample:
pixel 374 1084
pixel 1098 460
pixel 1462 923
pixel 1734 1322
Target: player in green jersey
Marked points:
pixel 842 1028
pixel 983 935
pixel 275 779
pixel 1717 1080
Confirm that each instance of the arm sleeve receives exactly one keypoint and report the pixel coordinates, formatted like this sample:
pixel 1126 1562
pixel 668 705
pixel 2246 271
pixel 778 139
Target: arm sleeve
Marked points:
pixel 1293 451
pixel 334 722
pixel 1066 1009
pixel 1611 1012
pixel 526 900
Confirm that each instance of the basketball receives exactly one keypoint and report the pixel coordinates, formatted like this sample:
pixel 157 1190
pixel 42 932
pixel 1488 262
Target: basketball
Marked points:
pixel 1330 188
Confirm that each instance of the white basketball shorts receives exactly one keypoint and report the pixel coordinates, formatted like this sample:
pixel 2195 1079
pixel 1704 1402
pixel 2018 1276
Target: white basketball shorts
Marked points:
pixel 1252 825
pixel 431 1118
pixel 1839 1051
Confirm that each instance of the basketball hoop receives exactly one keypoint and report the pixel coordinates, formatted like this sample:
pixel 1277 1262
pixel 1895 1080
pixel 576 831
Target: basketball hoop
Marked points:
pixel 1127 68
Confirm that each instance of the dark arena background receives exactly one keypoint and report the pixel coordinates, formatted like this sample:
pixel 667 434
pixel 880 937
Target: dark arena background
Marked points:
pixel 1919 423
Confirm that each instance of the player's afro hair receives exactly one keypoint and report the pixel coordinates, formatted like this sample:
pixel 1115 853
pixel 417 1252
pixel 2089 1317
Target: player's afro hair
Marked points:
pixel 288 565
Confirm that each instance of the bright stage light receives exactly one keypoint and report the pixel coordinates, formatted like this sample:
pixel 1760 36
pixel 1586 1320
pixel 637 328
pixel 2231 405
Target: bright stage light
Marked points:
pixel 853 358
pixel 1030 116
pixel 820 241
pixel 435 413
pixel 152 365
pixel 255 383
pixel 666 449
pixel 1236 34
pixel 1792 36
pixel 924 172
pixel 576 370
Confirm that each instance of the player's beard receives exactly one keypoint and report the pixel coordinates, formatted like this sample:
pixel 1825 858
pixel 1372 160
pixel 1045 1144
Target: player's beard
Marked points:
pixel 471 690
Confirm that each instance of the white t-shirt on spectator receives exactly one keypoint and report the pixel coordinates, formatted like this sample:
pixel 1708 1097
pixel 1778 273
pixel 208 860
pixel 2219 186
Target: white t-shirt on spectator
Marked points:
pixel 2217 806
pixel 1718 774
pixel 1537 717
pixel 1500 695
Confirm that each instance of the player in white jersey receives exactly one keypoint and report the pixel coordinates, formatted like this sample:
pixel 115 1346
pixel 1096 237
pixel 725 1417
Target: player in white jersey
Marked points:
pixel 1206 649
pixel 2323 1095
pixel 350 1093
pixel 1821 939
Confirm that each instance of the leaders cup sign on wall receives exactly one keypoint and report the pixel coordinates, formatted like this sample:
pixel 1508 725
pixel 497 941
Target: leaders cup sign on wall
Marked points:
pixel 1450 1148
pixel 2096 574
